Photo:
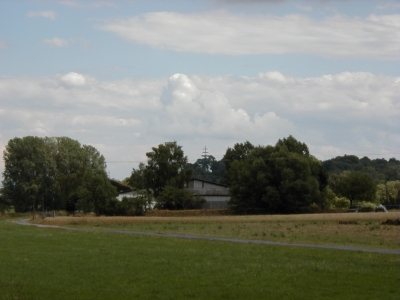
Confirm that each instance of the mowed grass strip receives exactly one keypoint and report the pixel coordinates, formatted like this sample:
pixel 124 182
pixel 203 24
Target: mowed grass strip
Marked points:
pixel 349 229
pixel 45 263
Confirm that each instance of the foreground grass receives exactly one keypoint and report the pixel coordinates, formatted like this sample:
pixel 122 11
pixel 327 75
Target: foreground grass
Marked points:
pixel 350 229
pixel 37 263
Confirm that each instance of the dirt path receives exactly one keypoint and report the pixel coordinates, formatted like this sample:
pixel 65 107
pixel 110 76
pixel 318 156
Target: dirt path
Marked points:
pixel 220 239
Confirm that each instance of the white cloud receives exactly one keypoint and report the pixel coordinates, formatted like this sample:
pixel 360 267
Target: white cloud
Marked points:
pixel 56 42
pixel 222 32
pixel 60 42
pixel 346 113
pixel 91 5
pixel 74 79
pixel 104 121
pixel 48 14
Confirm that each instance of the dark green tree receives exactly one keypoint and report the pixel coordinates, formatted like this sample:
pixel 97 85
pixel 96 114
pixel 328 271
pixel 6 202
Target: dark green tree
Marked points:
pixel 355 186
pixel 95 190
pixel 137 179
pixel 208 168
pixel 379 169
pixel 283 178
pixel 52 173
pixel 25 168
pixel 5 203
pixel 239 152
pixel 174 198
pixel 166 167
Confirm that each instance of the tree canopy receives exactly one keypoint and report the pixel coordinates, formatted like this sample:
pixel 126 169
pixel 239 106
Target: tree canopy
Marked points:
pixel 355 186
pixel 283 178
pixel 207 168
pixel 164 176
pixel 238 153
pixel 379 169
pixel 55 173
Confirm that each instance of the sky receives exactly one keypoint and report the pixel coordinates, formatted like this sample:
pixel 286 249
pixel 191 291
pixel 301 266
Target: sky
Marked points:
pixel 126 76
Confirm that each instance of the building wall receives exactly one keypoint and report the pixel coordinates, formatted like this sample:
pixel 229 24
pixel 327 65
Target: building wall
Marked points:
pixel 216 202
pixel 199 187
pixel 131 194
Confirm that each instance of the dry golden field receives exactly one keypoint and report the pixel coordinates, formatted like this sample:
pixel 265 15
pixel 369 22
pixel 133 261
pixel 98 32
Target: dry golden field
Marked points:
pixel 352 229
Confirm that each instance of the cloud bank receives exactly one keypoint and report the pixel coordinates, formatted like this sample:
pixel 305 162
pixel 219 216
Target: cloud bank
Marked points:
pixel 221 32
pixel 346 113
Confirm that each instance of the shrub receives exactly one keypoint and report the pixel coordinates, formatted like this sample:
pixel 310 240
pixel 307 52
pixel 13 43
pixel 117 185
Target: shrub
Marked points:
pixel 341 202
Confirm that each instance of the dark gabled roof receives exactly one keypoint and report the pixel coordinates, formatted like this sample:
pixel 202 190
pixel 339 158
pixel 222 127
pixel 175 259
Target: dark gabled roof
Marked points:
pixel 121 186
pixel 207 181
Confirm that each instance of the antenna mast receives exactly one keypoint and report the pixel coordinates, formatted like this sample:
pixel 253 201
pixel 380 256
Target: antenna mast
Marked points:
pixel 205 152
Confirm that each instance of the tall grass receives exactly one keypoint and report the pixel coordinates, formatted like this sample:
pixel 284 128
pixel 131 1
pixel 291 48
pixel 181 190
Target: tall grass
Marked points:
pixel 87 220
pixel 352 229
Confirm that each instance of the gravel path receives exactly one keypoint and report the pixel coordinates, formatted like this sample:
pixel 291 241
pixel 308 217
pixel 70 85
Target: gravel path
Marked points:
pixel 220 239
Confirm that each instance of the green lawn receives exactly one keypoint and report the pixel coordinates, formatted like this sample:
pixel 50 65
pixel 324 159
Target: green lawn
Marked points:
pixel 37 263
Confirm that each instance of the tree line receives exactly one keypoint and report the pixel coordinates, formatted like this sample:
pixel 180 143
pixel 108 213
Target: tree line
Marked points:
pixel 55 173
pixel 60 173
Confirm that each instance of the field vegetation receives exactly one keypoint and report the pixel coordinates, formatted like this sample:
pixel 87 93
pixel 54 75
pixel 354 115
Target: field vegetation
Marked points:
pixel 351 229
pixel 49 263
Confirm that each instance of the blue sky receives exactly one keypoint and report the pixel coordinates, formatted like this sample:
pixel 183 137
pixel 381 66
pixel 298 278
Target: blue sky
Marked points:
pixel 127 75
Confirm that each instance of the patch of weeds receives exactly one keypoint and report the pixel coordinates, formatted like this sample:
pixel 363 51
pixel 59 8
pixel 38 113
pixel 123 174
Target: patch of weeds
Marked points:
pixel 288 229
pixel 374 227
pixel 219 227
pixel 255 234
pixel 264 234
pixel 295 226
pixel 282 234
pixel 273 234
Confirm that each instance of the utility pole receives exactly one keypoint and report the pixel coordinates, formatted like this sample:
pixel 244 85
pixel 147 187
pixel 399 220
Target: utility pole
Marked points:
pixel 205 152
pixel 206 162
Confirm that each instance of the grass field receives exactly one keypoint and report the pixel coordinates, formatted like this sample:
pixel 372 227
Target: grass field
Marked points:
pixel 50 263
pixel 350 229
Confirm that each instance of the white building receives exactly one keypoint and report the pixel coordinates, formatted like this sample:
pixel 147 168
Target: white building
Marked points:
pixel 216 195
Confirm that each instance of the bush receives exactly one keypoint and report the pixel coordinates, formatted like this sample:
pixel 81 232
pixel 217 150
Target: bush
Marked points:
pixel 365 204
pixel 173 198
pixel 341 202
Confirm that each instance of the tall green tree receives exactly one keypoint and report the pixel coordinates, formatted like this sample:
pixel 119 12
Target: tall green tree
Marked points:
pixel 355 186
pixel 283 178
pixel 25 167
pixel 95 190
pixel 5 203
pixel 239 152
pixel 166 167
pixel 388 193
pixel 208 168
pixel 137 179
pixel 53 173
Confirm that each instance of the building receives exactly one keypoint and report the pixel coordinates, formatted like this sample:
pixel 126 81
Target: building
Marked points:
pixel 216 195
